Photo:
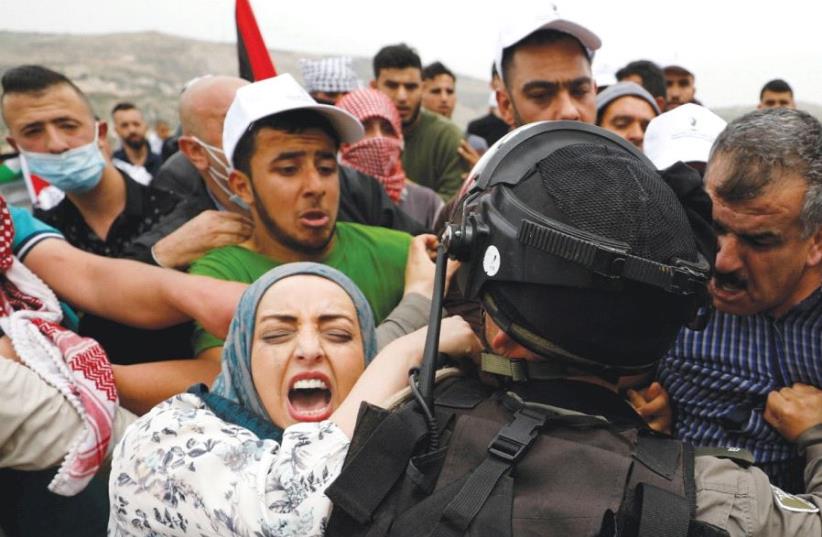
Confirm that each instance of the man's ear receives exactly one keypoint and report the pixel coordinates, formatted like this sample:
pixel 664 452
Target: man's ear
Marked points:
pixel 12 143
pixel 815 251
pixel 102 141
pixel 240 184
pixel 373 84
pixel 501 342
pixel 194 152
pixel 505 106
pixel 496 338
pixel 102 129
pixel 660 102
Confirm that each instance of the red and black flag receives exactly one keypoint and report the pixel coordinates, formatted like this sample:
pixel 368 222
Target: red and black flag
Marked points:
pixel 255 63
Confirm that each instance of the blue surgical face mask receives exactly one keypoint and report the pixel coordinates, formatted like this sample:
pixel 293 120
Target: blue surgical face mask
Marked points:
pixel 77 170
pixel 219 173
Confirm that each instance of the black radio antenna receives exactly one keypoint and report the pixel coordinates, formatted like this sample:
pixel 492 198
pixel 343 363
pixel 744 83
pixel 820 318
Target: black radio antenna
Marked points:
pixel 426 377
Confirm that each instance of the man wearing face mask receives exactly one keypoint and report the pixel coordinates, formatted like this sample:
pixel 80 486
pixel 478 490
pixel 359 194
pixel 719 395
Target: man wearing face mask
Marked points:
pixel 379 154
pixel 52 124
pixel 199 172
pixel 104 212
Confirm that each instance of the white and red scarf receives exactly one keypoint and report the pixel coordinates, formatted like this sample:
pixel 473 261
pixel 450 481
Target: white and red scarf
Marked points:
pixel 78 367
pixel 378 156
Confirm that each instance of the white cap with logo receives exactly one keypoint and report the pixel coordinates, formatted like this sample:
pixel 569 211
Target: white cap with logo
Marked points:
pixel 276 95
pixel 685 134
pixel 520 27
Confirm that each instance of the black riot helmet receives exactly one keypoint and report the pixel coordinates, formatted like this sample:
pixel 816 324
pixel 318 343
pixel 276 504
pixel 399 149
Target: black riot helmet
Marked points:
pixel 578 249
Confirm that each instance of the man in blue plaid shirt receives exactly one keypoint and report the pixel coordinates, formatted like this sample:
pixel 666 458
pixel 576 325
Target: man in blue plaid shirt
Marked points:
pixel 765 180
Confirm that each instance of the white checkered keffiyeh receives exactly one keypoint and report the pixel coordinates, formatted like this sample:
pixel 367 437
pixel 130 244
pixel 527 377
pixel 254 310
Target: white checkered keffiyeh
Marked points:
pixel 77 366
pixel 329 74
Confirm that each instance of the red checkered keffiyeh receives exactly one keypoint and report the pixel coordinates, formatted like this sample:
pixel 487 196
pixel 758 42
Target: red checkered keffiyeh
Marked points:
pixel 77 366
pixel 378 156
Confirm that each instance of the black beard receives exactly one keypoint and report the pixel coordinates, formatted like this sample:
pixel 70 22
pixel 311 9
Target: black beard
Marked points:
pixel 518 122
pixel 135 143
pixel 281 236
pixel 414 117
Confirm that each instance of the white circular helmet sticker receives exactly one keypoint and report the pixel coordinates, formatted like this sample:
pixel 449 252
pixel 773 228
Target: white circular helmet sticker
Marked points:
pixel 491 261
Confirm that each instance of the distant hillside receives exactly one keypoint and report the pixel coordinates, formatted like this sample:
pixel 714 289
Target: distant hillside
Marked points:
pixel 150 68
pixel 733 112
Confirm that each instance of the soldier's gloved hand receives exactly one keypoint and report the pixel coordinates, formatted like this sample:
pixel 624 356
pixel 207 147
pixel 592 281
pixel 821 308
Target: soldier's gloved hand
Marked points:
pixel 794 410
pixel 654 405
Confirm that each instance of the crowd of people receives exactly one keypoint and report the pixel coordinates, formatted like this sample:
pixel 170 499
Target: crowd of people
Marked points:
pixel 229 332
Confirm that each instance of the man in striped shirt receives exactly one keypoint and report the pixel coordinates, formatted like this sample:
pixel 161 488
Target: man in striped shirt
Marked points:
pixel 764 177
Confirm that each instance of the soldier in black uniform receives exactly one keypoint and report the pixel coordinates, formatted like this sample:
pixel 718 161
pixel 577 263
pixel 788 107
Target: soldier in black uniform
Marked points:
pixel 587 263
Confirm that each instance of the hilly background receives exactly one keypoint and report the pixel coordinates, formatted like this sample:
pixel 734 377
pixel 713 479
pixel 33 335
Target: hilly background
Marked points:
pixel 150 68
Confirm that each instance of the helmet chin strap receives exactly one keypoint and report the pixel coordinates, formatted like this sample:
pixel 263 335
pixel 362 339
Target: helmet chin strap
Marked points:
pixel 519 370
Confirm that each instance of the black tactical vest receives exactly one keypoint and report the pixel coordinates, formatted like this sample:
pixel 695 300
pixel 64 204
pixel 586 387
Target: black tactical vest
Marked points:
pixel 506 467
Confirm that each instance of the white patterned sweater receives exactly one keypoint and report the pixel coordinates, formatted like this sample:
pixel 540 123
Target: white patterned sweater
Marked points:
pixel 181 470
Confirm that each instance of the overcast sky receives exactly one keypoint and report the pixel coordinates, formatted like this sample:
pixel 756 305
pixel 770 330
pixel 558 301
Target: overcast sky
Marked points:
pixel 732 46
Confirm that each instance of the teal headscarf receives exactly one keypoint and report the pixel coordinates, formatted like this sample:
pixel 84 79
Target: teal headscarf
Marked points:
pixel 234 382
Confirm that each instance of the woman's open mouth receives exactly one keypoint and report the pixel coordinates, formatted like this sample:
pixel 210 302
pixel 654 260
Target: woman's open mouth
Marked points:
pixel 309 398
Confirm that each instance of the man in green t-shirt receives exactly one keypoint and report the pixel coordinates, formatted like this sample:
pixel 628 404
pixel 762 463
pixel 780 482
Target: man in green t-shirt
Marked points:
pixel 282 146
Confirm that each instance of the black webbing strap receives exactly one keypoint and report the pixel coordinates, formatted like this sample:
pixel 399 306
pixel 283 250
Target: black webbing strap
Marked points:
pixel 611 260
pixel 662 513
pixel 661 455
pixel 459 513
pixel 368 477
pixel 508 446
pixel 742 457
pixel 704 529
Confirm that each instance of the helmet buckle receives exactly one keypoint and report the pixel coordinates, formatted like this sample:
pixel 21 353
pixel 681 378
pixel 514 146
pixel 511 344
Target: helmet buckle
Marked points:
pixel 608 262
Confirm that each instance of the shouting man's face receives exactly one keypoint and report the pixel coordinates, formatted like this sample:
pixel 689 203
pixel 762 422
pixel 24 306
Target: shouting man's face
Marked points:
pixel 766 261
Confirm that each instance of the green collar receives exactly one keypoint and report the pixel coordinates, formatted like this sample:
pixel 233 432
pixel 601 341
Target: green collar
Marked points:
pixel 521 370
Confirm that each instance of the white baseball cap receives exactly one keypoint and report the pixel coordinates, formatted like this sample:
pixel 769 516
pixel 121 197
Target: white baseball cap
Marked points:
pixel 521 27
pixel 276 95
pixel 685 134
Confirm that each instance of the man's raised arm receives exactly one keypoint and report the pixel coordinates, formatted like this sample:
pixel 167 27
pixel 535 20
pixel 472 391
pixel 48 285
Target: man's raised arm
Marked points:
pixel 133 293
